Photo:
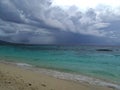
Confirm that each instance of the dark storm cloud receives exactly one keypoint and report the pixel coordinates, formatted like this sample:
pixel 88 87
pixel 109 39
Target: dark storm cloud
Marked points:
pixel 37 21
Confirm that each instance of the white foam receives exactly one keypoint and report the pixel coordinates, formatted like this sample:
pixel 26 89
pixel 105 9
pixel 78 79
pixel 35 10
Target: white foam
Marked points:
pixel 70 76
pixel 79 78
pixel 23 65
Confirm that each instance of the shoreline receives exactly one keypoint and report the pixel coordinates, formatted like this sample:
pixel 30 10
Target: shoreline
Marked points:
pixel 58 76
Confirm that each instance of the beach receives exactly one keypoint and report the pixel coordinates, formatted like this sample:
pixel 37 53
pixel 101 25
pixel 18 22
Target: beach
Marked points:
pixel 59 45
pixel 13 77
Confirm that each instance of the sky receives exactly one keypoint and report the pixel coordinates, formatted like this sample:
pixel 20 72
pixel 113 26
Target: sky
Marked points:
pixel 60 21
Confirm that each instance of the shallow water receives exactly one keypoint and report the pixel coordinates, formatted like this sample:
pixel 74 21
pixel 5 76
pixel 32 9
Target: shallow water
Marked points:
pixel 85 60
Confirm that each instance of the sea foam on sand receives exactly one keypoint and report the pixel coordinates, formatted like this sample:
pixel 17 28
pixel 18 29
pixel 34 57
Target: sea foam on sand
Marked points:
pixel 70 76
pixel 23 64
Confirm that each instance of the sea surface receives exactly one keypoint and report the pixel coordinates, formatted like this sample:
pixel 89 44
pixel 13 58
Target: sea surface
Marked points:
pixel 90 61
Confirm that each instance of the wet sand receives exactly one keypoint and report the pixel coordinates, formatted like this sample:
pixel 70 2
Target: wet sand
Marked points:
pixel 13 77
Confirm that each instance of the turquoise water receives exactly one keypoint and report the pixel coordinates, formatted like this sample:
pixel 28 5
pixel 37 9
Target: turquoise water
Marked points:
pixel 84 60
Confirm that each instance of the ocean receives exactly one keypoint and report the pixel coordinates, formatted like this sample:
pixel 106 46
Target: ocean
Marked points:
pixel 100 62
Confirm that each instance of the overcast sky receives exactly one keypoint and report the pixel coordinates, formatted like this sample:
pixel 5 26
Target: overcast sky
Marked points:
pixel 60 21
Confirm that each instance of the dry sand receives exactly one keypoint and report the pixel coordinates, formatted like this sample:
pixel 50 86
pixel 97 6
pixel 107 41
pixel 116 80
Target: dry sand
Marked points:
pixel 16 78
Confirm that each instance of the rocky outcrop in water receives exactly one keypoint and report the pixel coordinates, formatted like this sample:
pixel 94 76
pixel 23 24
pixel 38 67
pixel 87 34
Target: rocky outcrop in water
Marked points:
pixel 107 50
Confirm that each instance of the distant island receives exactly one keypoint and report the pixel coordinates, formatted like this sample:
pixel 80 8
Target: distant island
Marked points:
pixel 4 42
pixel 12 43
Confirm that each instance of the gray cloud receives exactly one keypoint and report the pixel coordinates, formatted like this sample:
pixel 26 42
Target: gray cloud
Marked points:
pixel 37 21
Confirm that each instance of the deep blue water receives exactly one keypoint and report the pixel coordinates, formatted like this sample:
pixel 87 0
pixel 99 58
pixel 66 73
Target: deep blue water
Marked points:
pixel 84 60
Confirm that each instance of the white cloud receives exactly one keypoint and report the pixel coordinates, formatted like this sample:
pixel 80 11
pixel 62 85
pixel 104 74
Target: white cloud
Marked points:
pixel 35 20
pixel 85 4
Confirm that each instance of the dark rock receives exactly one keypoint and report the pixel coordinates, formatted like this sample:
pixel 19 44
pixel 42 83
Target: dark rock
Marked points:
pixel 108 50
pixel 9 82
pixel 30 84
pixel 43 85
